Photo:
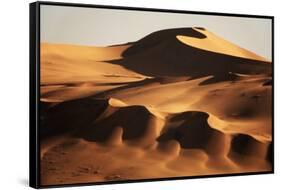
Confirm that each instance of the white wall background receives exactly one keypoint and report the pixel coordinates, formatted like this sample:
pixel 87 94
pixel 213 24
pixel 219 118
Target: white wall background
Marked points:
pixel 14 79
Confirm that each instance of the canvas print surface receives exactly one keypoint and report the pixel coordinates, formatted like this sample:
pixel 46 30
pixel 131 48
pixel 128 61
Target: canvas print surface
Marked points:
pixel 129 95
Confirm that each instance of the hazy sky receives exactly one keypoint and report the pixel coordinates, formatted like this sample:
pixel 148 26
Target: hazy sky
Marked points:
pixel 102 27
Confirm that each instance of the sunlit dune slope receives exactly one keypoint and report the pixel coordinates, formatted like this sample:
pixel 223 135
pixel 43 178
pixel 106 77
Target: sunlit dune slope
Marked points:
pixel 70 71
pixel 217 44
pixel 83 52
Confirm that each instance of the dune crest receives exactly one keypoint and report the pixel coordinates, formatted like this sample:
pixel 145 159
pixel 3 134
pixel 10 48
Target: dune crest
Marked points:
pixel 116 103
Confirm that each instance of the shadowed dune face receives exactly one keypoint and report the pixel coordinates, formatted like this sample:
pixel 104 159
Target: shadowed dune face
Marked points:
pixel 194 132
pixel 178 102
pixel 125 118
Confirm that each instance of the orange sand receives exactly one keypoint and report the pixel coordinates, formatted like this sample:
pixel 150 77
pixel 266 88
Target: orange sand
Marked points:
pixel 179 102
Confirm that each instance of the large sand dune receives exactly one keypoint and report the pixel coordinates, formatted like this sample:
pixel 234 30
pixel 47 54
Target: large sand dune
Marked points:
pixel 179 102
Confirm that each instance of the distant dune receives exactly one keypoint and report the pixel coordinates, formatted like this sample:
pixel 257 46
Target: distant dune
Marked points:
pixel 178 52
pixel 178 102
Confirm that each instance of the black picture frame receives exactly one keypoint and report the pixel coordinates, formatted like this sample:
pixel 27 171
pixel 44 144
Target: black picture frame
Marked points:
pixel 34 91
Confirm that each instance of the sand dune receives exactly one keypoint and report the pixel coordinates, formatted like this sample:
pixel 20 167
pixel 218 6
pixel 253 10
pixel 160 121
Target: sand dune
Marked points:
pixel 70 72
pixel 216 44
pixel 83 52
pixel 163 54
pixel 179 102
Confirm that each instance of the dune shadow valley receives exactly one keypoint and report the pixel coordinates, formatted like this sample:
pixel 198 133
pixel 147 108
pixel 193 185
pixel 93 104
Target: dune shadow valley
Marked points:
pixel 178 102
